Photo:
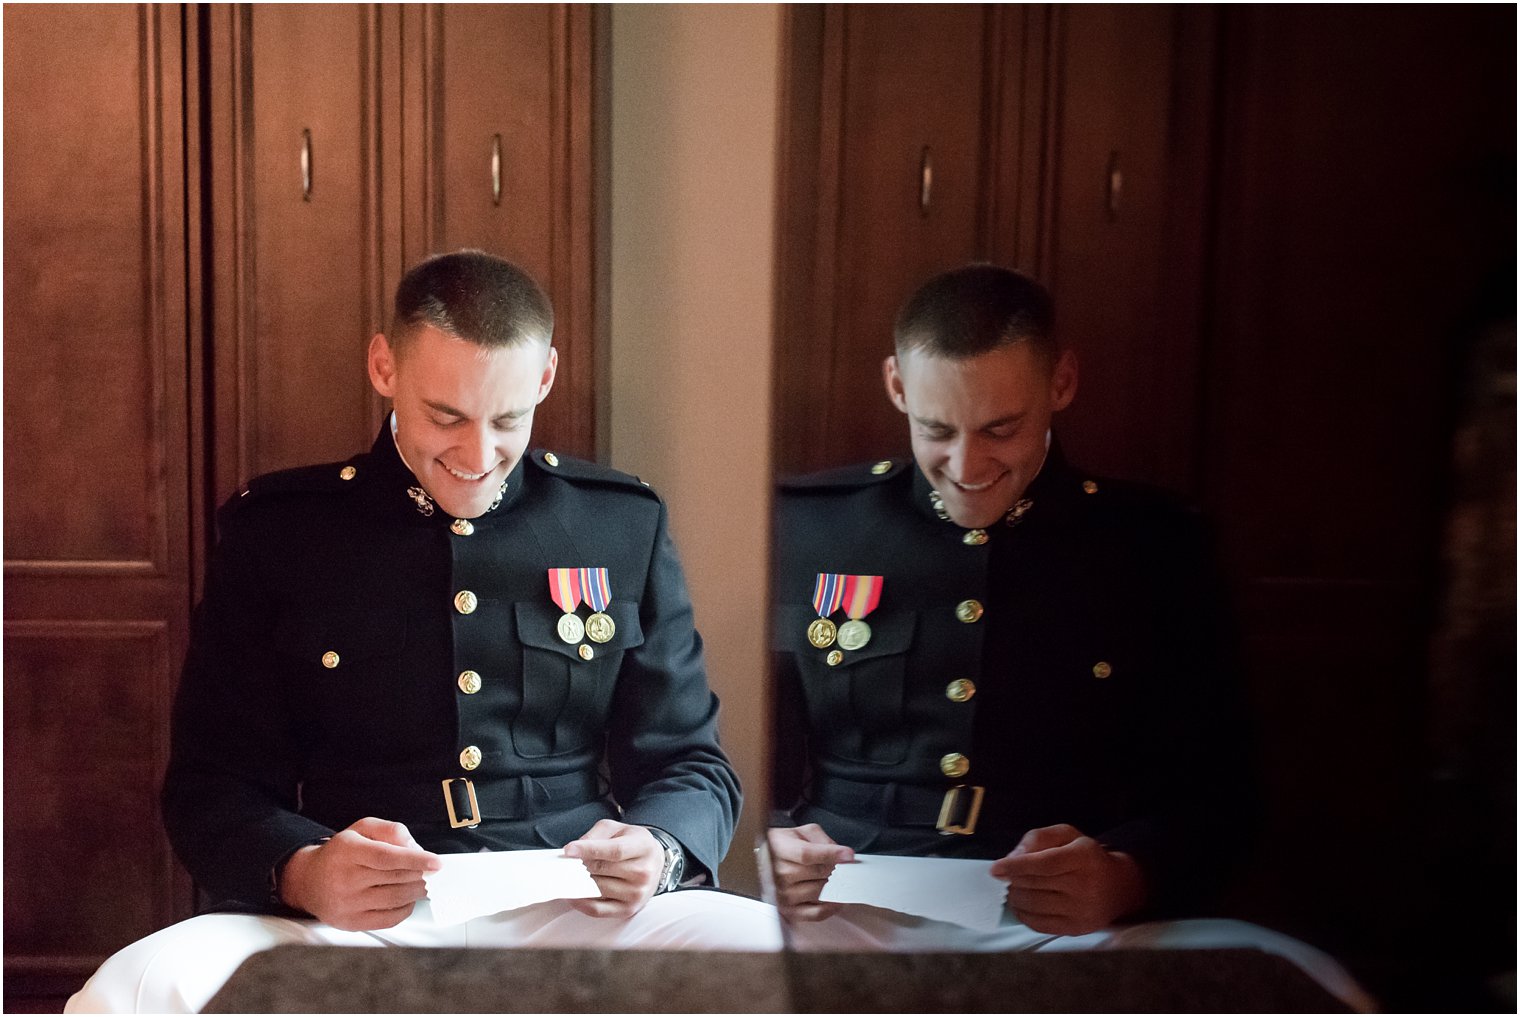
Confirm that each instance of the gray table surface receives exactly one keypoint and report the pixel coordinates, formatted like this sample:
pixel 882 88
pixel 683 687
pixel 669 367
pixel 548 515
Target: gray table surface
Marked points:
pixel 319 979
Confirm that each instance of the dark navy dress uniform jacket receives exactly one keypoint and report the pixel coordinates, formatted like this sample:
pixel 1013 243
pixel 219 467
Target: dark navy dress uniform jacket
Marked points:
pixel 324 678
pixel 1101 688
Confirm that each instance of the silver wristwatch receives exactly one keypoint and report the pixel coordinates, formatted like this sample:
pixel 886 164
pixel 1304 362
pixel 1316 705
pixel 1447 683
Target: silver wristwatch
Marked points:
pixel 675 860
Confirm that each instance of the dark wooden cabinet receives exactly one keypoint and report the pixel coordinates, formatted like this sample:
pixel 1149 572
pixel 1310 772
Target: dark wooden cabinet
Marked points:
pixel 207 209
pixel 97 560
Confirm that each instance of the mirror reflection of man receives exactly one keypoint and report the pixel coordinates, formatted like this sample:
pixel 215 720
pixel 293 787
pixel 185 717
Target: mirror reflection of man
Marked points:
pixel 384 670
pixel 1044 682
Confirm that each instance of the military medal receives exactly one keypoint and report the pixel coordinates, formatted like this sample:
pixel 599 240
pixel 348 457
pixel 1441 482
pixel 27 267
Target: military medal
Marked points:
pixel 565 588
pixel 828 591
pixel 861 595
pixel 598 593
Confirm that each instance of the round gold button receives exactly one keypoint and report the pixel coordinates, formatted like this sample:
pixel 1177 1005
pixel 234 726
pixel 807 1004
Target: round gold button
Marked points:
pixel 470 757
pixel 969 611
pixel 834 658
pixel 466 602
pixel 882 467
pixel 348 473
pixel 469 682
pixel 954 764
pixel 586 652
pixel 551 458
pixel 960 690
pixel 1102 669
pixel 462 527
pixel 1090 486
pixel 330 659
pixel 976 538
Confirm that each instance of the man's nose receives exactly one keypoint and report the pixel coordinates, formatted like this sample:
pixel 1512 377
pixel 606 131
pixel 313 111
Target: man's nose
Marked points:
pixel 479 450
pixel 967 461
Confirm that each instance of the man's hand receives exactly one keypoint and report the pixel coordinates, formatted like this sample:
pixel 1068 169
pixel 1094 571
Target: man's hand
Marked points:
pixel 369 876
pixel 625 861
pixel 802 859
pixel 1063 882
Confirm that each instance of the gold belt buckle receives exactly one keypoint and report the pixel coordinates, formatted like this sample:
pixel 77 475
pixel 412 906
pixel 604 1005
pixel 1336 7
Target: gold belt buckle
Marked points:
pixel 953 809
pixel 448 799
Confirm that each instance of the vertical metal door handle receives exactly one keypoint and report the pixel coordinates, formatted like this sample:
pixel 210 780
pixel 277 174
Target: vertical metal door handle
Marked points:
pixel 925 180
pixel 305 164
pixel 1115 186
pixel 496 169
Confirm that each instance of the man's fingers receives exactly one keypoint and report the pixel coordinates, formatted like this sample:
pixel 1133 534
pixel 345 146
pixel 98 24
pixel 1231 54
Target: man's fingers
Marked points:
pixel 1055 861
pixel 615 849
pixel 813 833
pixel 801 893
pixel 1042 902
pixel 384 830
pixel 791 872
pixel 390 896
pixel 386 857
pixel 600 907
pixel 1042 838
pixel 791 846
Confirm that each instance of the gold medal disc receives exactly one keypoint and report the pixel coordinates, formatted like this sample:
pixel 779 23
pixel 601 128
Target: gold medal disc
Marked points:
pixel 854 634
pixel 570 627
pixel 599 628
pixel 821 633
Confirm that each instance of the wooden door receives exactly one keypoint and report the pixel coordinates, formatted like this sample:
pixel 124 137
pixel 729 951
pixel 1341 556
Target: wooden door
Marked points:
pixel 97 549
pixel 882 189
pixel 299 260
pixel 498 107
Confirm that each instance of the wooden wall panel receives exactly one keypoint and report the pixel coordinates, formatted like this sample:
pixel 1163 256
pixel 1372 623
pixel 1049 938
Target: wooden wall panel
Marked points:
pixel 1109 258
pixel 84 292
pixel 310 397
pixel 522 74
pixel 875 100
pixel 97 548
pixel 88 868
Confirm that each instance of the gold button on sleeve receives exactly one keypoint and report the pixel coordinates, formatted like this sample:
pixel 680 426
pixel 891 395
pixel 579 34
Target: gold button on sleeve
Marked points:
pixel 834 658
pixel 551 458
pixel 960 690
pixel 465 602
pixel 469 682
pixel 586 652
pixel 470 757
pixel 1090 486
pixel 1102 669
pixel 882 467
pixel 330 659
pixel 969 611
pixel 953 764
pixel 348 473
pixel 462 527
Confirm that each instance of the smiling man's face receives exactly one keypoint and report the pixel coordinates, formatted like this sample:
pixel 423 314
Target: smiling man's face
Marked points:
pixel 464 412
pixel 978 424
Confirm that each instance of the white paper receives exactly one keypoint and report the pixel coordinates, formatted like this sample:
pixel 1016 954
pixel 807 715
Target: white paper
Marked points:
pixel 474 885
pixel 958 890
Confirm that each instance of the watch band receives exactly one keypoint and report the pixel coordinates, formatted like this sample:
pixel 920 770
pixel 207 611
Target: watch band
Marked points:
pixel 675 860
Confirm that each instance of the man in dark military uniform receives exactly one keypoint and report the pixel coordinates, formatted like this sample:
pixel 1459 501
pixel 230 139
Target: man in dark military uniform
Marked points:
pixel 443 645
pixel 1038 677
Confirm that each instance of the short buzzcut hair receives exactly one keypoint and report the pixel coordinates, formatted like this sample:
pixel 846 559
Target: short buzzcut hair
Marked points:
pixel 474 296
pixel 976 309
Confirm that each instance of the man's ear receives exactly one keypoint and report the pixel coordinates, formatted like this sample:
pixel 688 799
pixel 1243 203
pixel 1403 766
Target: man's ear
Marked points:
pixel 545 383
pixel 382 366
pixel 1063 380
pixel 891 376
